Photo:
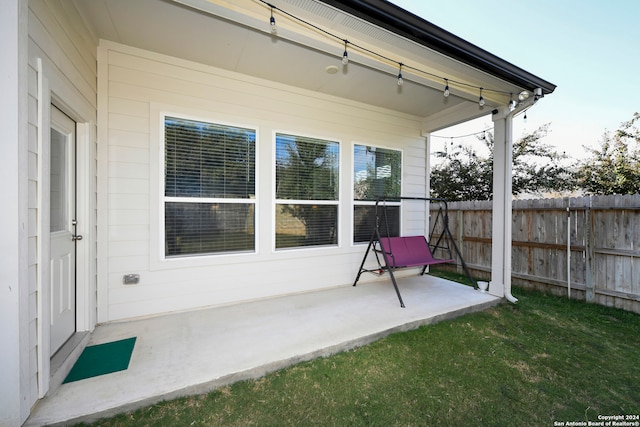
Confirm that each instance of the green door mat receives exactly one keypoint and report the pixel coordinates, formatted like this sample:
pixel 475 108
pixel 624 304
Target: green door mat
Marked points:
pixel 102 359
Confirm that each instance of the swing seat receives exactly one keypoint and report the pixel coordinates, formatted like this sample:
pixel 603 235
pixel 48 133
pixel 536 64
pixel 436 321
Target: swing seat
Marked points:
pixel 409 251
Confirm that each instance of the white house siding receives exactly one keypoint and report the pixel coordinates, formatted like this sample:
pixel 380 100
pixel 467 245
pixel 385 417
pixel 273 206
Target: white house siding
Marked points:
pixel 58 37
pixel 135 85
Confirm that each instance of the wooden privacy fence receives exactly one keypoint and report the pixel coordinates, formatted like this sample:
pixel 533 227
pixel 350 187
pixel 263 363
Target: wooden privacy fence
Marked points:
pixel 586 247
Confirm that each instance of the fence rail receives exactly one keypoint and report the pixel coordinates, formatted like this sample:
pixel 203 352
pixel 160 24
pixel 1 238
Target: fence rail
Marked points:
pixel 588 247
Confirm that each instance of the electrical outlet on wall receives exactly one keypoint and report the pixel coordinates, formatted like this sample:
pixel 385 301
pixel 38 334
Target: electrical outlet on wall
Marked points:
pixel 131 279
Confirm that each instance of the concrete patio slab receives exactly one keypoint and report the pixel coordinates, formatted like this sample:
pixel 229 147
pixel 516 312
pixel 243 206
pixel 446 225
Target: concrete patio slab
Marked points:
pixel 198 351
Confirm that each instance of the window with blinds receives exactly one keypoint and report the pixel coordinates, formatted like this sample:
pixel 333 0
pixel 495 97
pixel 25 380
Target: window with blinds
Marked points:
pixel 377 174
pixel 209 188
pixel 307 191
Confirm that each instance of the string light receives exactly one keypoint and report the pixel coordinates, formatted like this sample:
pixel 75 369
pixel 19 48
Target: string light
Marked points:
pixel 345 55
pixel 272 22
pixel 452 137
pixel 345 59
pixel 512 103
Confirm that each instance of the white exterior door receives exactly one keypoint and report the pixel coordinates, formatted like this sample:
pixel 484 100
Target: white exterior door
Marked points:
pixel 62 228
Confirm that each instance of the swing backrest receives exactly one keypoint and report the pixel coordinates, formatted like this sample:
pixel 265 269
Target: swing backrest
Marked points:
pixel 409 251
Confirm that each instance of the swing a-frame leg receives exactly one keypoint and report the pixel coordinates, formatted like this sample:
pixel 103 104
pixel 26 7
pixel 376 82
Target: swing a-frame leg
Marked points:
pixel 448 238
pixel 375 237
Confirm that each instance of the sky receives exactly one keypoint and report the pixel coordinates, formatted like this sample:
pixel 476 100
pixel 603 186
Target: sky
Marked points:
pixel 590 49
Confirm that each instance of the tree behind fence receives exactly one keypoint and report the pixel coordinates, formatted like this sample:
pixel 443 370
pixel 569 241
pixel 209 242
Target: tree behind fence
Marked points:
pixel 594 245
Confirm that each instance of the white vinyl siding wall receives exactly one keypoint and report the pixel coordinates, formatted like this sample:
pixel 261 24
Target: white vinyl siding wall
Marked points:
pixel 57 36
pixel 136 87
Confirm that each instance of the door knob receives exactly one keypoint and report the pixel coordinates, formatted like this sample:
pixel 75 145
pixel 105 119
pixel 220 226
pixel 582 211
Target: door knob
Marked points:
pixel 76 237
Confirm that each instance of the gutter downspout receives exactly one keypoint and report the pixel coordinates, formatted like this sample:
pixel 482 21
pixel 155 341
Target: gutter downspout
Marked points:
pixel 427 182
pixel 508 207
pixel 508 213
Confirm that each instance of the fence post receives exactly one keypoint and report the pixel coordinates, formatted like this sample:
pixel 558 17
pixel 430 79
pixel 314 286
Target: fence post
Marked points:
pixel 459 232
pixel 569 248
pixel 589 285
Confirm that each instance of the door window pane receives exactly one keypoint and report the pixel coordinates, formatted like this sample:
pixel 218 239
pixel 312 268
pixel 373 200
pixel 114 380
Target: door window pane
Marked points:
pixel 58 173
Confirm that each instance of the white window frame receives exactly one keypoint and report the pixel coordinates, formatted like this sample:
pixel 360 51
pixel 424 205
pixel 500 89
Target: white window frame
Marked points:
pixel 337 203
pixel 158 257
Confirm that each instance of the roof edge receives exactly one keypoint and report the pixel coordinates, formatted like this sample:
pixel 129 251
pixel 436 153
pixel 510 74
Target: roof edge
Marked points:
pixel 406 24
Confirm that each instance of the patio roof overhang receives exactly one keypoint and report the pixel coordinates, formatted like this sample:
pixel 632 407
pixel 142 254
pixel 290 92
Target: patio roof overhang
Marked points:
pixel 235 35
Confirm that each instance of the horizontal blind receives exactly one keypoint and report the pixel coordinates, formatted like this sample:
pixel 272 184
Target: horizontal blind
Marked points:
pixel 202 228
pixel 306 168
pixel 364 221
pixel 306 225
pixel 377 173
pixel 208 160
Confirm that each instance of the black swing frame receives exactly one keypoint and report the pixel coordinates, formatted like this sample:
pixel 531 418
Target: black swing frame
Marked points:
pixel 444 241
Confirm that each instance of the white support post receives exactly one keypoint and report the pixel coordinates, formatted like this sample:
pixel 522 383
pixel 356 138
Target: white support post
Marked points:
pixel 500 284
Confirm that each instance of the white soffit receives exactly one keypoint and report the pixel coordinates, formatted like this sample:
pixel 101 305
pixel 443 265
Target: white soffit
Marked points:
pixel 234 35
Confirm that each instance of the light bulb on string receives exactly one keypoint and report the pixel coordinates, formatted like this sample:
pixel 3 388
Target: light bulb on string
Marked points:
pixel 345 55
pixel 512 103
pixel 481 99
pixel 400 81
pixel 272 22
pixel 446 88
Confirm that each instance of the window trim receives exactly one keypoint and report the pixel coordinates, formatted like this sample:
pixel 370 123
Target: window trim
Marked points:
pixel 158 258
pixel 354 202
pixel 275 201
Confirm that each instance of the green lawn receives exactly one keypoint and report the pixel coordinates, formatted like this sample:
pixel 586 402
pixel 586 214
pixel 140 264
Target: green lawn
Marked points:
pixel 545 360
